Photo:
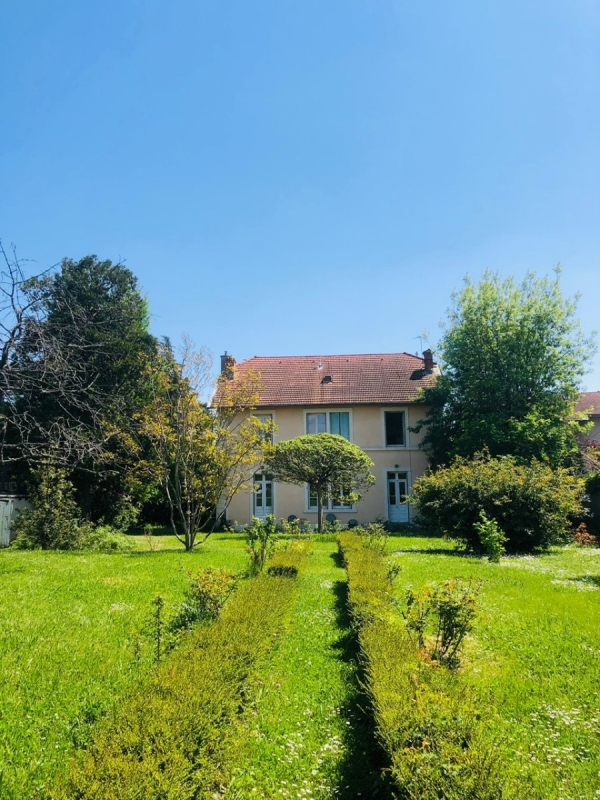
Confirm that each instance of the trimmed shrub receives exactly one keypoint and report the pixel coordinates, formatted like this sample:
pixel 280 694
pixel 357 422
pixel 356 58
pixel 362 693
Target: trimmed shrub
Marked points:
pixel 261 541
pixel 178 736
pixel 532 504
pixel 425 721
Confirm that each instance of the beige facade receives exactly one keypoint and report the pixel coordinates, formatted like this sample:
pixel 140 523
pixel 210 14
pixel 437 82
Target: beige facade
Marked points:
pixel 395 468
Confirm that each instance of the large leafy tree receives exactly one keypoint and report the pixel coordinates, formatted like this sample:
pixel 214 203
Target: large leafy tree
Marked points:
pixel 79 373
pixel 512 359
pixel 326 462
pixel 200 456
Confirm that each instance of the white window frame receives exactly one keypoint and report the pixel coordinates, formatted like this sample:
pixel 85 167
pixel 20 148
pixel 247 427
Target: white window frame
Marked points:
pixel 384 477
pixel 328 506
pixel 273 496
pixel 327 411
pixel 395 410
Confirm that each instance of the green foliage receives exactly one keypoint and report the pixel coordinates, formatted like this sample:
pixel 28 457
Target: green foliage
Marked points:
pixel 261 541
pixel 374 535
pixel 204 597
pixel 431 731
pixel 491 537
pixel 512 360
pixel 54 522
pixel 106 539
pixel 177 737
pixel 532 504
pixel 447 613
pixel 325 461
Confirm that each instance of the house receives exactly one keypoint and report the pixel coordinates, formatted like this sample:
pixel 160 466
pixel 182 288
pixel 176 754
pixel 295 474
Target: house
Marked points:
pixel 372 400
pixel 589 405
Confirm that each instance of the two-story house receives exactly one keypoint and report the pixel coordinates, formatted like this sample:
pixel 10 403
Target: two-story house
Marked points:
pixel 371 400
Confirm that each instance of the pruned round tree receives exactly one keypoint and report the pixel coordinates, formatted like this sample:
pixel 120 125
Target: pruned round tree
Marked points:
pixel 326 462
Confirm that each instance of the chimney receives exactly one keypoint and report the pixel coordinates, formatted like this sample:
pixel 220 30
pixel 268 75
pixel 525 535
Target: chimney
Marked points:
pixel 227 365
pixel 428 360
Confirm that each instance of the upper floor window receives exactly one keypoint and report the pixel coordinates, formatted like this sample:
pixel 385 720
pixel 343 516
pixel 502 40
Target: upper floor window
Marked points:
pixel 394 429
pixel 329 422
pixel 266 418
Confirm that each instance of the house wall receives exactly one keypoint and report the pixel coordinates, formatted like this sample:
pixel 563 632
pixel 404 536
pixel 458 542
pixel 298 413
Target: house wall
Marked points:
pixel 368 432
pixel 594 433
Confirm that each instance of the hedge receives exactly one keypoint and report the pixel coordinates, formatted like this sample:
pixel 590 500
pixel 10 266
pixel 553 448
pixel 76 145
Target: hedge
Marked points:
pixel 176 738
pixel 425 723
pixel 533 504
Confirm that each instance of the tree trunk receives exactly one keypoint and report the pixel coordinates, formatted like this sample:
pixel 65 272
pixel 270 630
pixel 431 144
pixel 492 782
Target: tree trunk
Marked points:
pixel 319 511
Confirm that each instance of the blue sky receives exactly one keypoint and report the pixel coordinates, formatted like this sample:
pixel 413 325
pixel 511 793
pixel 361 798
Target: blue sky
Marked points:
pixel 305 177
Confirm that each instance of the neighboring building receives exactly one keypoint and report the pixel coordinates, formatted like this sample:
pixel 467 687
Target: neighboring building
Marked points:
pixel 372 400
pixel 9 505
pixel 589 405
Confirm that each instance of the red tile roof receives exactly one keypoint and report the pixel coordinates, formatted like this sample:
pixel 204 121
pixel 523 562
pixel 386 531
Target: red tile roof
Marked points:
pixel 338 380
pixel 589 400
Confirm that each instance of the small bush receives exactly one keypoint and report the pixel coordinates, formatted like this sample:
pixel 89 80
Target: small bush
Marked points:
pixel 491 537
pixel 54 522
pixel 374 535
pixel 204 597
pixel 583 538
pixel 531 503
pixel 105 539
pixel 261 541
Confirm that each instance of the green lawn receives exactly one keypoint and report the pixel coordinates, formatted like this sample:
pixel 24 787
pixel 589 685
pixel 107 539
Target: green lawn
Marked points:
pixel 306 734
pixel 72 643
pixel 71 647
pixel 533 661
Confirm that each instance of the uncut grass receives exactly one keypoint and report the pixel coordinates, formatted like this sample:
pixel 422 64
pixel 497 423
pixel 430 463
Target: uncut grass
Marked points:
pixel 307 735
pixel 532 664
pixel 72 643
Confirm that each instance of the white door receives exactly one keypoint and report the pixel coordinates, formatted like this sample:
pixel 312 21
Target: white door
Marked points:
pixel 397 489
pixel 263 495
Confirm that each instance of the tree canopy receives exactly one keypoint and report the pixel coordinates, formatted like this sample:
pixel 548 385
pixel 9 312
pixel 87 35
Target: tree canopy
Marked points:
pixel 327 462
pixel 512 359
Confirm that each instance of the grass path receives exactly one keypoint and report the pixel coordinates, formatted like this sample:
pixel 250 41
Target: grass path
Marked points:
pixel 306 735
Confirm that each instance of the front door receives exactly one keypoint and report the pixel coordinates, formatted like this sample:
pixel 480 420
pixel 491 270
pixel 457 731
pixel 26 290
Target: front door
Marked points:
pixel 263 495
pixel 397 489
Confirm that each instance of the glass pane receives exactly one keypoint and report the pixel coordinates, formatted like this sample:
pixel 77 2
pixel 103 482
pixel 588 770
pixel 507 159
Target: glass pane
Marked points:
pixel 316 423
pixel 258 499
pixel 339 422
pixel 268 494
pixel 312 498
pixel 394 428
pixel 392 493
pixel 338 500
pixel 402 488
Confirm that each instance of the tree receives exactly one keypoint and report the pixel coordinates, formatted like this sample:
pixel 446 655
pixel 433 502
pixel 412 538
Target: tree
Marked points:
pixel 77 374
pixel 200 456
pixel 512 359
pixel 327 462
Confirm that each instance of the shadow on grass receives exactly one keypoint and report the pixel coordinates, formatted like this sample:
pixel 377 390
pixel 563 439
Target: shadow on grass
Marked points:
pixel 364 768
pixel 594 580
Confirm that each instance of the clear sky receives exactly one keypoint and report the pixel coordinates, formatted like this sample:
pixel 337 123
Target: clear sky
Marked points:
pixel 305 177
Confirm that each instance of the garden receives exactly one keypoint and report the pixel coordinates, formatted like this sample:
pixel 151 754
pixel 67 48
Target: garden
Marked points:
pixel 335 665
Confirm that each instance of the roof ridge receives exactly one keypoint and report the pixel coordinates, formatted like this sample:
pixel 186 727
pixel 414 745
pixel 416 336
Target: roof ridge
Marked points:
pixel 335 355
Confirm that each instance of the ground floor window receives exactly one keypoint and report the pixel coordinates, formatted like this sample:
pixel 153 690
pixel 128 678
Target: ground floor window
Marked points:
pixel 334 501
